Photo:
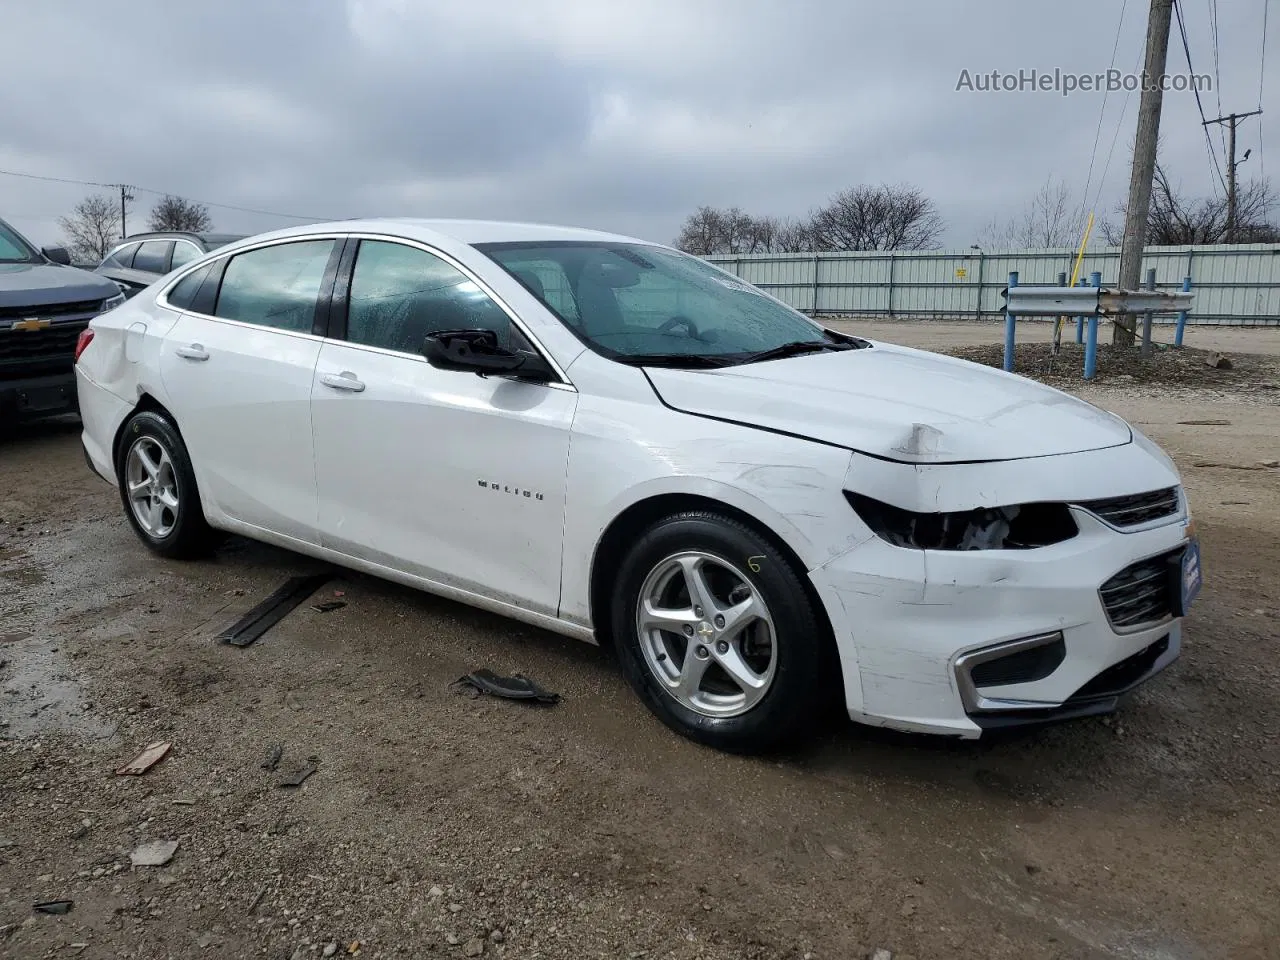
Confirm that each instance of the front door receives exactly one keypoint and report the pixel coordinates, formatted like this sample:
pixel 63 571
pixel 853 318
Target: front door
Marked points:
pixel 239 385
pixel 445 475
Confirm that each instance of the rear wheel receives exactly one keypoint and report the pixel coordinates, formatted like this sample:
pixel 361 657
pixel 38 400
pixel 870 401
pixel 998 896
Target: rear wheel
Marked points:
pixel 158 488
pixel 717 634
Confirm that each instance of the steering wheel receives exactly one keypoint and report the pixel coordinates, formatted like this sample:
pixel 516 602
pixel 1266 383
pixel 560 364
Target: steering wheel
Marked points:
pixel 681 321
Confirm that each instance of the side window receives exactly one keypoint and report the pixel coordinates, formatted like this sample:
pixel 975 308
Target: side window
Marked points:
pixel 182 293
pixel 122 256
pixel 183 252
pixel 399 294
pixel 276 286
pixel 153 256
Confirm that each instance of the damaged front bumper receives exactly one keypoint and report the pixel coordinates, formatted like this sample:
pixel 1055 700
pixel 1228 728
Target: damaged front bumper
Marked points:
pixel 961 641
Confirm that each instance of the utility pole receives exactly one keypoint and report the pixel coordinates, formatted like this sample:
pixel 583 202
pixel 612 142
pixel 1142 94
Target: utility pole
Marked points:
pixel 125 196
pixel 1231 120
pixel 1144 161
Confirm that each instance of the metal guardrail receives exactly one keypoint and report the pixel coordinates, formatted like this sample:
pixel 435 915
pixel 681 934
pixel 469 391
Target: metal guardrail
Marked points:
pixel 1087 303
pixel 1090 301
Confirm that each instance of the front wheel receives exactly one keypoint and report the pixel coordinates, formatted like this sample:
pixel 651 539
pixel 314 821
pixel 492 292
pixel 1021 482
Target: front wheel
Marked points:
pixel 158 488
pixel 717 634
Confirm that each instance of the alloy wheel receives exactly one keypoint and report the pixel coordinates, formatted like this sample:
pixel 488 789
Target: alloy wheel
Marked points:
pixel 152 487
pixel 706 634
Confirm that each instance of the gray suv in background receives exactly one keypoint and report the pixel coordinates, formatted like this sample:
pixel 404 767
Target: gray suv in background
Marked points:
pixel 142 259
pixel 45 304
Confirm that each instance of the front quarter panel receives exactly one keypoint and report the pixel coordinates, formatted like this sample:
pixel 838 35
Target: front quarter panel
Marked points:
pixel 627 447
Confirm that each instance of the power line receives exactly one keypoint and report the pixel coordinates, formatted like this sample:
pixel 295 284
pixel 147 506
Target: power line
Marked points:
pixel 1262 67
pixel 1217 77
pixel 163 193
pixel 1195 88
pixel 1115 136
pixel 1262 59
pixel 83 183
pixel 1084 197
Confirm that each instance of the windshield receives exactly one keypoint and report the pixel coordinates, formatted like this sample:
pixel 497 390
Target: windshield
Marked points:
pixel 637 303
pixel 14 249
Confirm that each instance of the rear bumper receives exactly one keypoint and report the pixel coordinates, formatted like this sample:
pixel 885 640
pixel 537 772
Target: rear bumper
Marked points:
pixel 102 413
pixel 35 397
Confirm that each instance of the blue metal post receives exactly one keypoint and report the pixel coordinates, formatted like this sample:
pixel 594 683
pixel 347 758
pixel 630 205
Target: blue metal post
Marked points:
pixel 1182 314
pixel 1009 321
pixel 1091 345
pixel 1080 320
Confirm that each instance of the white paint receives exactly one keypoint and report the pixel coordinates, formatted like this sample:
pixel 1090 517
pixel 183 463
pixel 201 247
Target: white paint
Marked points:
pixel 388 479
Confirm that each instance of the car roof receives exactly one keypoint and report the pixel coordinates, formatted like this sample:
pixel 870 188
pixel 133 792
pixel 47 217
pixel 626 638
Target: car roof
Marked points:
pixel 470 232
pixel 218 238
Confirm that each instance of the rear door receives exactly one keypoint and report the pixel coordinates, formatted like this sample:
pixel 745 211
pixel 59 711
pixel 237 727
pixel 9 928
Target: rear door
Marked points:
pixel 238 367
pixel 442 474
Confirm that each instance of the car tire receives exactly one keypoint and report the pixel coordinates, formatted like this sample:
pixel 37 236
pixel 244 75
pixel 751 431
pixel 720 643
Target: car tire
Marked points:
pixel 158 488
pixel 779 644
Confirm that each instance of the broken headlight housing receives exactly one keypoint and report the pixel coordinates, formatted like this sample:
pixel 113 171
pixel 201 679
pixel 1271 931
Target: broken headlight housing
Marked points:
pixel 1020 526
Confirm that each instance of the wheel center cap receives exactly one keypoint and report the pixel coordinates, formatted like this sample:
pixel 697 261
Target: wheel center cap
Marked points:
pixel 705 629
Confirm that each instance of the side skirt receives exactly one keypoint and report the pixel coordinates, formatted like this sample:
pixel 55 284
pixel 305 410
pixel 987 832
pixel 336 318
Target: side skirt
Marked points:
pixel 501 607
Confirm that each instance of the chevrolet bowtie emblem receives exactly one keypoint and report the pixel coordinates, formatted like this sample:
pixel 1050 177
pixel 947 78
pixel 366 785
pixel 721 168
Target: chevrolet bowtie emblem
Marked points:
pixel 31 323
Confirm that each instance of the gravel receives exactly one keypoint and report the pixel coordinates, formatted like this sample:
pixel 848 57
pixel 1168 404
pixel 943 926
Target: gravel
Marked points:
pixel 589 830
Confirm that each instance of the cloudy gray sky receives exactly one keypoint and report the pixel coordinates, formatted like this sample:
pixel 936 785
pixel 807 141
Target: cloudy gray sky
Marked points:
pixel 616 114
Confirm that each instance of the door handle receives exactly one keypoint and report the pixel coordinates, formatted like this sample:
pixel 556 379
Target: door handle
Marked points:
pixel 343 381
pixel 193 352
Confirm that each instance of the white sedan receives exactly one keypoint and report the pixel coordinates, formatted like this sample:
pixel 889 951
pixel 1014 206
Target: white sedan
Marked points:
pixel 613 440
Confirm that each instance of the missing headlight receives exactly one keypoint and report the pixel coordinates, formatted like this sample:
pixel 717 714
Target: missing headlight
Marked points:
pixel 1018 526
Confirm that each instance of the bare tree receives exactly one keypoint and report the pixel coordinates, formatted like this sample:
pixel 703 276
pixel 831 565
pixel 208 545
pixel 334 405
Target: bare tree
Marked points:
pixel 876 218
pixel 175 213
pixel 701 233
pixel 710 230
pixel 1050 219
pixel 1177 219
pixel 92 228
pixel 792 236
pixel 861 218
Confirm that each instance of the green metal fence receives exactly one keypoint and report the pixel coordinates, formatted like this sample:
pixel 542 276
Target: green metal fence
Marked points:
pixel 1236 284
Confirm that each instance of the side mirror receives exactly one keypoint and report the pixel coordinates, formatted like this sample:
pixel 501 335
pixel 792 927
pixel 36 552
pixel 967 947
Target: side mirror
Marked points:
pixel 477 351
pixel 57 255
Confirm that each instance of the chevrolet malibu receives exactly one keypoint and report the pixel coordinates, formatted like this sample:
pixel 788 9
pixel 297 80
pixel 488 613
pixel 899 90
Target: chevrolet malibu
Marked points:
pixel 621 443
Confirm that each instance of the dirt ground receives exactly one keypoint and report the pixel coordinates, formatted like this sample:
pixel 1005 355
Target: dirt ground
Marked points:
pixel 437 825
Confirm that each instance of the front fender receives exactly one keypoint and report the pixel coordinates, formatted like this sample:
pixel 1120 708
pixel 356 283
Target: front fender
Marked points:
pixel 790 486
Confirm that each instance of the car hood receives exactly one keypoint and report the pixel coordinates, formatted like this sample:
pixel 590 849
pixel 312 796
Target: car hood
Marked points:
pixel 896 403
pixel 40 284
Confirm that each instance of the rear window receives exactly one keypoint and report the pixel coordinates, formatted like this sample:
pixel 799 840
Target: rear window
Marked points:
pixel 182 293
pixel 276 286
pixel 183 253
pixel 153 256
pixel 121 256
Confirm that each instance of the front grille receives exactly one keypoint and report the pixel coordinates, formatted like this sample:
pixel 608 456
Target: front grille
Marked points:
pixel 48 311
pixel 1135 509
pixel 1119 677
pixel 27 353
pixel 1141 593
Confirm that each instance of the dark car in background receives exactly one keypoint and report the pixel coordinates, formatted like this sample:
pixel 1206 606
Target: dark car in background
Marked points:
pixel 45 305
pixel 143 258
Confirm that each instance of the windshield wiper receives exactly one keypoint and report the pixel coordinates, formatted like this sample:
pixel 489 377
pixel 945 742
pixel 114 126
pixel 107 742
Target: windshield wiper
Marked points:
pixel 793 349
pixel 698 360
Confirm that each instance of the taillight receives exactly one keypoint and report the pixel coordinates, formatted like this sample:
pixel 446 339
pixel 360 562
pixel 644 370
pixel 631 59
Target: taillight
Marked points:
pixel 85 338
